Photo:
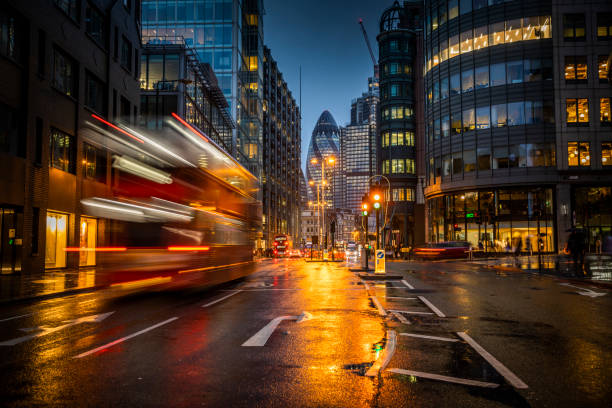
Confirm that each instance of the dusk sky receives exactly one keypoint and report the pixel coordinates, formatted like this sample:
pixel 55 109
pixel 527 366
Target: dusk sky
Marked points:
pixel 325 39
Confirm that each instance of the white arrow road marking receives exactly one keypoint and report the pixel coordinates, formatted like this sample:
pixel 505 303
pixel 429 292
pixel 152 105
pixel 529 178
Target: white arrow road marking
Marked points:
pixel 383 360
pixel 443 378
pixel 44 330
pixel 112 343
pixel 584 291
pixel 502 369
pixel 260 338
pixel 432 307
pixel 223 298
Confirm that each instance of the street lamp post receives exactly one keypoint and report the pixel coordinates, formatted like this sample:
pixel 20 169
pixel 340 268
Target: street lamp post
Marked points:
pixel 330 161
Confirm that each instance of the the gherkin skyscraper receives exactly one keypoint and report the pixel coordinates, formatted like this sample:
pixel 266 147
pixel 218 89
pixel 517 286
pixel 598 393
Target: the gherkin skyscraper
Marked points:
pixel 324 144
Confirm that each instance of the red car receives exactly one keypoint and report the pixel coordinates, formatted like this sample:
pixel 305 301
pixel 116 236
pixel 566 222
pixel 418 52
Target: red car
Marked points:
pixel 443 250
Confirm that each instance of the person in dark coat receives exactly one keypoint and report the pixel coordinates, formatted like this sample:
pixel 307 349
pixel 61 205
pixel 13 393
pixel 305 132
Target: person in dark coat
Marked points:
pixel 576 245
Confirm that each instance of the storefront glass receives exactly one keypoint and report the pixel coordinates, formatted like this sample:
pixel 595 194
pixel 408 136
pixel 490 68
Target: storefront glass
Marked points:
pixel 495 221
pixel 89 228
pixel 593 211
pixel 55 248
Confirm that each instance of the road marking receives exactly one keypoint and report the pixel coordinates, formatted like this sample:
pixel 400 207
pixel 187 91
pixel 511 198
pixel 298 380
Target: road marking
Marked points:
pixel 432 307
pixel 411 312
pixel 443 378
pixel 399 297
pixel 400 317
pixel 44 330
pixel 260 338
pixel 122 339
pixel 383 360
pixel 223 298
pixel 381 310
pixel 585 291
pixel 423 336
pixel 502 369
pixel 260 290
pixel 409 286
pixel 15 317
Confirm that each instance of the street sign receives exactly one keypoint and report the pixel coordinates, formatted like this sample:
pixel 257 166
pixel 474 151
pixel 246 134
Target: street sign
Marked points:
pixel 380 261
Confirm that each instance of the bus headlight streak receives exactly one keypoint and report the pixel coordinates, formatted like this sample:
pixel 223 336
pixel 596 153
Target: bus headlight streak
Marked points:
pixel 137 168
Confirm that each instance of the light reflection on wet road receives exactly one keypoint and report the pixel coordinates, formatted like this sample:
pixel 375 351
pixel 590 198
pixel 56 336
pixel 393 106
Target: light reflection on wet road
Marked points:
pixel 545 334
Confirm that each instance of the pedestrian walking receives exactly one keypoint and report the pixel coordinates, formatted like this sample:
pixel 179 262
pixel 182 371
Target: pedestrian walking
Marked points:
pixel 576 246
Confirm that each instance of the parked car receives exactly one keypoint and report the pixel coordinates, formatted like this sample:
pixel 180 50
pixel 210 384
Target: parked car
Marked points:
pixel 443 250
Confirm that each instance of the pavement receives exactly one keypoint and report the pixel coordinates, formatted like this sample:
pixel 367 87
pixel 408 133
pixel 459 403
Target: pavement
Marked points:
pixel 316 335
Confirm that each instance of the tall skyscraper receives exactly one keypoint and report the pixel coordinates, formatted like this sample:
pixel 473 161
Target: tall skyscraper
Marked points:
pixel 324 144
pixel 228 35
pixel 358 148
pixel 400 61
pixel 518 122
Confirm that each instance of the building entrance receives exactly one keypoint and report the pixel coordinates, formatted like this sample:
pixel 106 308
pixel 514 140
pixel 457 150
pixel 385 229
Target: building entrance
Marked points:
pixel 11 239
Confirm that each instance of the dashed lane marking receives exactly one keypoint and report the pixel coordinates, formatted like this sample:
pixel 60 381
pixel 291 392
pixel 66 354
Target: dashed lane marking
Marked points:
pixel 423 336
pixel 122 339
pixel 411 312
pixel 384 359
pixel 445 378
pixel 221 299
pixel 15 317
pixel 401 318
pixel 381 310
pixel 432 307
pixel 409 286
pixel 502 369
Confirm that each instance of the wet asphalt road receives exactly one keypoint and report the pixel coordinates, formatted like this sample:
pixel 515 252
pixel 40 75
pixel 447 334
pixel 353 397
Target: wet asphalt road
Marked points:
pixel 211 347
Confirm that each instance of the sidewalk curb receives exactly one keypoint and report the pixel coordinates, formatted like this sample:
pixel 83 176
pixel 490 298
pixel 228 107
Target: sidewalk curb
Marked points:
pixel 47 296
pixel 605 285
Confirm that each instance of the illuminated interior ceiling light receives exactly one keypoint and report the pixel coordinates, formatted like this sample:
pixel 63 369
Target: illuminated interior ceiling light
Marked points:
pixel 137 168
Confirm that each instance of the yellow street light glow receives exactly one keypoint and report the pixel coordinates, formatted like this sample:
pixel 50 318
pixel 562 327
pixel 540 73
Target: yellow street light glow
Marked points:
pixel 311 183
pixel 331 160
pixel 314 161
pixel 376 197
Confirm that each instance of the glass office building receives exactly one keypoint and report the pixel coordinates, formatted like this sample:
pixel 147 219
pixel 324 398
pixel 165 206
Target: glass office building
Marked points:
pixel 324 144
pixel 228 35
pixel 516 119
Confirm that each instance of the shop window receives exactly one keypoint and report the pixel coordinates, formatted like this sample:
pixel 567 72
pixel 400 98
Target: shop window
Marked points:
pixel 467 80
pixel 61 149
pixel 574 27
pixel 87 244
pixel 604 26
pixel 577 111
pixel 497 74
pixel 498 115
pixel 578 154
pixel 606 154
pixel 604 111
pixel 602 68
pixel 64 73
pixel 469 122
pixel 56 240
pixel 575 68
pixel 94 163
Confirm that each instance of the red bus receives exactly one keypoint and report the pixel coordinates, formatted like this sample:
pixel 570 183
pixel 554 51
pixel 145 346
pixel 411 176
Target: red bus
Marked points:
pixel 282 245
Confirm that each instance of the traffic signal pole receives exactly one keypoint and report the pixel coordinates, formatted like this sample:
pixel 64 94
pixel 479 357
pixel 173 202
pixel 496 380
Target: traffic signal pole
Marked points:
pixel 366 246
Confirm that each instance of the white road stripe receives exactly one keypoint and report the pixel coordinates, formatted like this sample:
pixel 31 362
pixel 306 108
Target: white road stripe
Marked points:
pixel 411 312
pixel 383 360
pixel 381 310
pixel 423 336
pixel 399 297
pixel 409 286
pixel 432 307
pixel 121 340
pixel 401 318
pixel 15 317
pixel 502 369
pixel 223 298
pixel 260 338
pixel 443 378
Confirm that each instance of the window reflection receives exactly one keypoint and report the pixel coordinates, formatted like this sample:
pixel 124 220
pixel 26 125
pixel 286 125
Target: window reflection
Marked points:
pixel 481 77
pixel 498 74
pixel 455 84
pixel 498 115
pixel 482 117
pixel 515 114
pixel 467 80
pixel 468 120
pixel 514 71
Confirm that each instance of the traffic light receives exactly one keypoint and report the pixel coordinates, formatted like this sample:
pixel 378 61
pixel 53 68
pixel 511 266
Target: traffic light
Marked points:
pixel 456 227
pixel 376 200
pixel 364 209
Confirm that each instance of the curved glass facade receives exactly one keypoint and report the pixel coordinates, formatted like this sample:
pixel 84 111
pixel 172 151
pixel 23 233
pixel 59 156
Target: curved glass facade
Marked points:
pixel 324 143
pixel 490 122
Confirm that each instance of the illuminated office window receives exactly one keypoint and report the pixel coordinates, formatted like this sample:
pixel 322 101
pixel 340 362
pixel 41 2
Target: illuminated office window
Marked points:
pixel 530 28
pixel 513 31
pixel 606 154
pixel 410 196
pixel 575 68
pixel 604 26
pixel 578 154
pixel 481 37
pixel 253 63
pixel 574 27
pixel 577 110
pixel 453 46
pixel 602 67
pixel 467 45
pixel 496 33
pixel 604 110
pixel 410 166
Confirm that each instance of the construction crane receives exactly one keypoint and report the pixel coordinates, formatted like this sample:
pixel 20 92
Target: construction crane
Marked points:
pixel 367 40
